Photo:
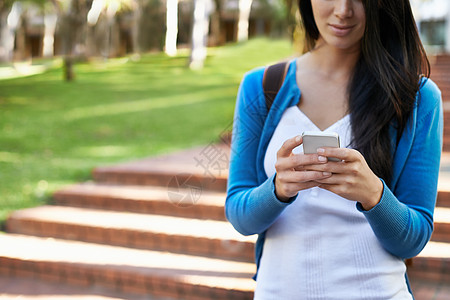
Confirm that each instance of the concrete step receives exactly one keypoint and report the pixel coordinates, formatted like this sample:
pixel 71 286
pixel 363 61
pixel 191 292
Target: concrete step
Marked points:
pixel 181 171
pixel 144 231
pixel 187 203
pixel 439 71
pixel 441 80
pixel 140 272
pixel 439 59
pixel 433 263
pixel 429 290
pixel 159 274
pixel 201 168
pixel 443 199
pixel 210 205
pixel 441 231
pixel 162 225
pixel 439 77
pixel 446 109
pixel 203 204
pixel 15 288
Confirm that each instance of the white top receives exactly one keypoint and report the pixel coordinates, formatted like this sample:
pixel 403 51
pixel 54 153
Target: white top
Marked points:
pixel 321 246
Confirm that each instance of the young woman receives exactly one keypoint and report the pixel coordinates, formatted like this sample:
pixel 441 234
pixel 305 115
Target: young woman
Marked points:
pixel 340 230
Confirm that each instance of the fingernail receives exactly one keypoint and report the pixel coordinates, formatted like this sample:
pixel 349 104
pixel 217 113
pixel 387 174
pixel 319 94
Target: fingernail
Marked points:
pixel 297 138
pixel 322 158
pixel 320 150
pixel 326 173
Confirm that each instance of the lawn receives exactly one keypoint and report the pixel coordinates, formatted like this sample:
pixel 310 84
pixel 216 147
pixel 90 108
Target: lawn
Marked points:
pixel 53 132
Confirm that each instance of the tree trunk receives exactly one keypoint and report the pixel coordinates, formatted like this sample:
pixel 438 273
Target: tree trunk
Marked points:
pixel 292 23
pixel 172 27
pixel 114 45
pixel 199 34
pixel 216 36
pixel 110 21
pixel 92 48
pixel 21 44
pixel 72 25
pixel 244 16
pixel 5 36
pixel 48 49
pixel 91 41
pixel 69 74
pixel 11 21
pixel 136 25
pixel 68 40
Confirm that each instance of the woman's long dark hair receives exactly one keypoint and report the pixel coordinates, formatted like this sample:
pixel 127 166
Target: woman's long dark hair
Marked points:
pixel 386 79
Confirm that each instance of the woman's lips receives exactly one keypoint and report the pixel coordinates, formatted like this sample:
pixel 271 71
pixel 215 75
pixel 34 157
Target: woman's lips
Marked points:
pixel 341 30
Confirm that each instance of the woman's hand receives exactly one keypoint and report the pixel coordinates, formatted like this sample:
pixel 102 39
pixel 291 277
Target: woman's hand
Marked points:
pixel 292 174
pixel 351 178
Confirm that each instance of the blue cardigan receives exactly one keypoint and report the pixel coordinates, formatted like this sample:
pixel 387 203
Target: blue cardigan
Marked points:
pixel 402 220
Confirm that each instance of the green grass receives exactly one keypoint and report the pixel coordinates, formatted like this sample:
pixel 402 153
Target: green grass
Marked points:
pixel 53 133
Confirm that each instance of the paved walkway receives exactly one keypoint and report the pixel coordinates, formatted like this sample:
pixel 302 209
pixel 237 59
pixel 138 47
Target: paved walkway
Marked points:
pixel 22 69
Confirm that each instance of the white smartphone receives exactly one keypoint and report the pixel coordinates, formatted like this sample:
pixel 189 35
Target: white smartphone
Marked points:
pixel 317 139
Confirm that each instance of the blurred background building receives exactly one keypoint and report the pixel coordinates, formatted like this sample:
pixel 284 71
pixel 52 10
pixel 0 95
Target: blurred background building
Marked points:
pixel 433 21
pixel 112 28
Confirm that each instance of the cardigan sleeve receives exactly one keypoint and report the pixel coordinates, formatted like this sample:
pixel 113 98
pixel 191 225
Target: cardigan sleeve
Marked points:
pixel 403 219
pixel 251 205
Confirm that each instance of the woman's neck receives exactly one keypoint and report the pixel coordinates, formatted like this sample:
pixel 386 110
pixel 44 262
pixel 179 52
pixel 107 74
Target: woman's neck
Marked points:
pixel 333 62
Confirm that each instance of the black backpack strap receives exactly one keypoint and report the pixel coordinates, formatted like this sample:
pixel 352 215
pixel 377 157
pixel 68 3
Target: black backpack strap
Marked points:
pixel 272 80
